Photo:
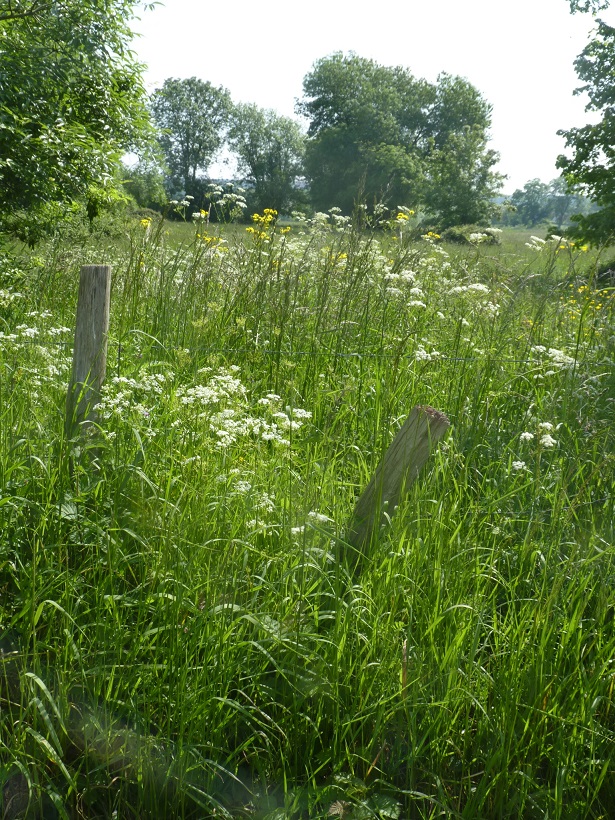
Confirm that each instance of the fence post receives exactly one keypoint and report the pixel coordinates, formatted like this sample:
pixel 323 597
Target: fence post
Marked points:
pixel 90 351
pixel 394 475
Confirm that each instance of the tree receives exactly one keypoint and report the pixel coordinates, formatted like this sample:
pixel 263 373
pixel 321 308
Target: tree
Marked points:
pixel 358 113
pixel 460 184
pixel 191 115
pixel 591 167
pixel 532 203
pixel 144 183
pixel 71 101
pixel 564 202
pixel 269 151
pixel 379 133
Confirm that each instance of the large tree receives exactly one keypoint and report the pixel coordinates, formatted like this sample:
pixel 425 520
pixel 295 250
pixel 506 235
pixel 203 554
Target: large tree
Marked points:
pixel 191 115
pixel 378 133
pixel 269 150
pixel 71 100
pixel 590 167
pixel 532 203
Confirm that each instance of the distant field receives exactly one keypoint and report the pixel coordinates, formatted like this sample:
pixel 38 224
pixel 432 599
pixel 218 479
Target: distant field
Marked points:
pixel 181 634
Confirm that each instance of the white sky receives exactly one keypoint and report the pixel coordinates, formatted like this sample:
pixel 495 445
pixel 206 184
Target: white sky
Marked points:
pixel 518 53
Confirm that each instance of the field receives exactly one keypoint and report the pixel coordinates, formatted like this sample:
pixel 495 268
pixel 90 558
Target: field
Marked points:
pixel 182 633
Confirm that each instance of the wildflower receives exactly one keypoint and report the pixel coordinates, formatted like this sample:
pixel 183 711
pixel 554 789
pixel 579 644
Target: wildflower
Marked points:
pixel 546 426
pixel 318 518
pixel 547 441
pixel 526 436
pixel 518 466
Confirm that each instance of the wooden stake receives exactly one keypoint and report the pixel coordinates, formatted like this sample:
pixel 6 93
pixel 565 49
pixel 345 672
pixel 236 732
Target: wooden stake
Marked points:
pixel 90 352
pixel 395 474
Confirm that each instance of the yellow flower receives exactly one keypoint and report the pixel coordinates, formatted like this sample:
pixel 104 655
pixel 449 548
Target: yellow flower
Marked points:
pixel 145 223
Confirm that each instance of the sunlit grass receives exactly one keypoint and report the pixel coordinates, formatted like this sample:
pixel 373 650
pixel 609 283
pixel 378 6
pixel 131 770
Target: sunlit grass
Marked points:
pixel 179 636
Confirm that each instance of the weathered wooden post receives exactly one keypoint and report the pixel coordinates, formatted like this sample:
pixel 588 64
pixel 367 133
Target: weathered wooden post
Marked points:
pixel 90 351
pixel 394 475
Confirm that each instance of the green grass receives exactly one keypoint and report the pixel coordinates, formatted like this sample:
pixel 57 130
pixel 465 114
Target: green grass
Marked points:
pixel 180 637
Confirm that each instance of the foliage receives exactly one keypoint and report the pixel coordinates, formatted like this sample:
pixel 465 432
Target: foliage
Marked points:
pixel 379 134
pixel 531 203
pixel 144 182
pixel 269 150
pixel 590 167
pixel 191 115
pixel 72 101
pixel 539 202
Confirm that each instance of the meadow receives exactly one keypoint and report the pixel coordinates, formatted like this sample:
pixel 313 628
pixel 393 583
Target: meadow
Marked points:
pixel 181 636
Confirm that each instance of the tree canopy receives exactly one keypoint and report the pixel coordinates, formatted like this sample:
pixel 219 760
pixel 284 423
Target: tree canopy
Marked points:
pixel 191 115
pixel 590 167
pixel 539 201
pixel 71 99
pixel 269 150
pixel 378 133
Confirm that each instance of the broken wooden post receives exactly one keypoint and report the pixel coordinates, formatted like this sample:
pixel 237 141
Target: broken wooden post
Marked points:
pixel 90 352
pixel 394 475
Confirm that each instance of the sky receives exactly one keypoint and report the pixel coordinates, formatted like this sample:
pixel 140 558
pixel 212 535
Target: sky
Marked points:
pixel 518 53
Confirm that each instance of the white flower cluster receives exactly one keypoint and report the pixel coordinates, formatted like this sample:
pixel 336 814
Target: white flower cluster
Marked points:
pixel 315 520
pixel 422 355
pixel 8 296
pixel 536 243
pixel 217 409
pixel 475 287
pixel 557 358
pixel 543 432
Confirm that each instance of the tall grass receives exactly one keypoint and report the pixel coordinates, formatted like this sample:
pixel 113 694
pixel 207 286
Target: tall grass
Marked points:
pixel 178 637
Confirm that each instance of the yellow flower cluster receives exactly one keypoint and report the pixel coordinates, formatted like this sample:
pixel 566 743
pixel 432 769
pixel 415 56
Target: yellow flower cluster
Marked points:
pixel 265 219
pixel 264 224
pixel 256 234
pixel 211 241
pixel 584 297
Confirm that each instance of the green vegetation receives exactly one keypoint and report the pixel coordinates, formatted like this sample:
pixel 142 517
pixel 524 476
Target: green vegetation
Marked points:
pixel 71 103
pixel 191 115
pixel 378 134
pixel 590 167
pixel 178 636
pixel 269 151
pixel 539 202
